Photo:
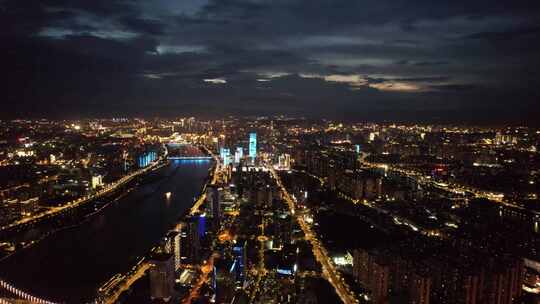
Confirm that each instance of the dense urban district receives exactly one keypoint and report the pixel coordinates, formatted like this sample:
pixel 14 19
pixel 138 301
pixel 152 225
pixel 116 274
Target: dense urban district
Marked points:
pixel 284 210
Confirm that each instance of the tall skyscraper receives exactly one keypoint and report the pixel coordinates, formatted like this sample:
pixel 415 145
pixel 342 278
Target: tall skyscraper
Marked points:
pixel 240 260
pixel 172 246
pixel 212 199
pixel 238 154
pixel 226 156
pixel 284 161
pixel 253 145
pixel 162 276
pixel 190 242
pixel 222 153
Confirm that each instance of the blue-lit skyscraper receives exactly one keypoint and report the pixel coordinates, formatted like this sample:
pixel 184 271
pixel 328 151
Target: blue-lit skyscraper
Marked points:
pixel 222 153
pixel 253 145
pixel 226 157
pixel 201 228
pixel 240 259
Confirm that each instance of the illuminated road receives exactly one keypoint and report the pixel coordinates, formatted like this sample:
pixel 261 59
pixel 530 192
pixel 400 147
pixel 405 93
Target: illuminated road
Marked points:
pixel 125 285
pixel 215 177
pixel 206 269
pixel 366 203
pixel 111 243
pixel 80 201
pixel 320 253
pixel 453 188
pixel 261 269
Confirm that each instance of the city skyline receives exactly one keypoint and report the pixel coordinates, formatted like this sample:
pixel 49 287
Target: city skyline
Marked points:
pixel 162 210
pixel 270 151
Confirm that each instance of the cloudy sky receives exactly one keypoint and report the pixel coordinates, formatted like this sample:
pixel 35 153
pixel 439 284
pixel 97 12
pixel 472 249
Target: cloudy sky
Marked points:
pixel 473 60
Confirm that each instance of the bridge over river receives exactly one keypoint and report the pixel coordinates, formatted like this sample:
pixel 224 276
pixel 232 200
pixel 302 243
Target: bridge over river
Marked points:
pixel 184 151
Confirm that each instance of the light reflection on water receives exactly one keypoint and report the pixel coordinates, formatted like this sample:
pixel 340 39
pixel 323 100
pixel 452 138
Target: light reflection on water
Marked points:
pixel 70 265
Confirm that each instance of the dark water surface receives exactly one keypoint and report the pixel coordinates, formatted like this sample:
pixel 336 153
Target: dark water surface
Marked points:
pixel 70 265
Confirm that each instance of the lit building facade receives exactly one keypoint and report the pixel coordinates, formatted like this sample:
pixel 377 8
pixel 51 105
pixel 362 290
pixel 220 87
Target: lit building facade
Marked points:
pixel 146 159
pixel 253 145
pixel 190 240
pixel 240 260
pixel 238 154
pixel 162 277
pixel 172 246
pixel 212 200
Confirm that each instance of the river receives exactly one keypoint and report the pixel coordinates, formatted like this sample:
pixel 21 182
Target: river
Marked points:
pixel 70 265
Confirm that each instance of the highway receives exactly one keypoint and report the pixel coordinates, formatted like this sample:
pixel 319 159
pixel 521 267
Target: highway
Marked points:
pixel 328 269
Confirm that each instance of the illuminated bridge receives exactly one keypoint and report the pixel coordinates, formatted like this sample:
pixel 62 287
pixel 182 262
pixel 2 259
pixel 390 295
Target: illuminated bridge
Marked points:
pixel 9 294
pixel 185 151
pixel 190 157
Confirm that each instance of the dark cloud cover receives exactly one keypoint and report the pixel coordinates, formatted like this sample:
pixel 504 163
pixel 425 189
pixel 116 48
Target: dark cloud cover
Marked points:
pixel 474 61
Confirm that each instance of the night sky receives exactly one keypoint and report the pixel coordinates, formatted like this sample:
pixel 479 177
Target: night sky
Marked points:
pixel 424 60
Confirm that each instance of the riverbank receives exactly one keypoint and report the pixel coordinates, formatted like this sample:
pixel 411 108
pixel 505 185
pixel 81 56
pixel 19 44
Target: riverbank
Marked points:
pixel 110 242
pixel 54 211
pixel 77 216
pixel 110 291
